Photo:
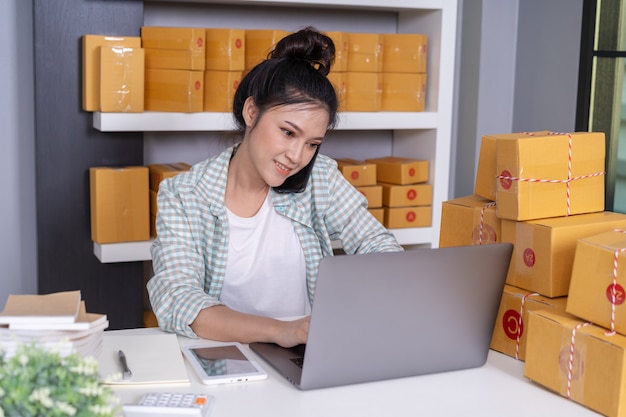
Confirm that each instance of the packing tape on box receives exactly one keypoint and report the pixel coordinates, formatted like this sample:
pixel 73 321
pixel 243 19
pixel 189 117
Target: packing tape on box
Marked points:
pixel 569 171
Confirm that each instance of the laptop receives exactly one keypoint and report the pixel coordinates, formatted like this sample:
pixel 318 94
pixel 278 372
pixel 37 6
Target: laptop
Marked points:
pixel 397 314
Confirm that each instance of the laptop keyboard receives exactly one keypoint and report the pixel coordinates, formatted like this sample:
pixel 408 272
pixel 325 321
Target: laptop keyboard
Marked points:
pixel 298 361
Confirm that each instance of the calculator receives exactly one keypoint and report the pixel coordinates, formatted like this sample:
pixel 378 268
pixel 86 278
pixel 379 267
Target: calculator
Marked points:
pixel 162 404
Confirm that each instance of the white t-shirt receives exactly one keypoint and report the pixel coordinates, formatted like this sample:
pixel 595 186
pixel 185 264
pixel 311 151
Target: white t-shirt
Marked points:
pixel 266 271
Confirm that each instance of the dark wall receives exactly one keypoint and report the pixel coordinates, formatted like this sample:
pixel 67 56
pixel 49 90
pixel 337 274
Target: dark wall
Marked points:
pixel 67 145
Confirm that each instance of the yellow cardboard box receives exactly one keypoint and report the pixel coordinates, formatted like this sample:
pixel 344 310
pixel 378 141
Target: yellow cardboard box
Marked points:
pixel 401 217
pixel 174 90
pixel 225 49
pixel 159 172
pixel 259 43
pixel 404 52
pixel 183 59
pixel 91 64
pixel 338 80
pixel 395 195
pixel 469 220
pixel 365 52
pixel 511 329
pixel 374 195
pixel 598 280
pixel 119 204
pixel 398 170
pixel 578 361
pixel 543 254
pixel 357 172
pixel 403 92
pixel 219 90
pixel 121 79
pixel 550 176
pixel 378 213
pixel 340 39
pixel 364 91
pixel 180 38
pixel 485 183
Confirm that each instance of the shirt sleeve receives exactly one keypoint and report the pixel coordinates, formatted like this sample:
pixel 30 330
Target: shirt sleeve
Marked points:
pixel 177 290
pixel 349 221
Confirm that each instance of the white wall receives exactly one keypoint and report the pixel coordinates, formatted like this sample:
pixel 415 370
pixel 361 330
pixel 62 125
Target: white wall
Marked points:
pixel 18 248
pixel 517 71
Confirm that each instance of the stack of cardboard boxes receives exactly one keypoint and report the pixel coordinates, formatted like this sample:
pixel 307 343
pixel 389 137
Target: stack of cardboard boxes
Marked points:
pixel 123 201
pixel 544 192
pixel 396 189
pixel 180 69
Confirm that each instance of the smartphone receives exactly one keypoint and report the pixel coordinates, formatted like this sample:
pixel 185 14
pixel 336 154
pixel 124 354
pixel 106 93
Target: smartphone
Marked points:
pixel 297 183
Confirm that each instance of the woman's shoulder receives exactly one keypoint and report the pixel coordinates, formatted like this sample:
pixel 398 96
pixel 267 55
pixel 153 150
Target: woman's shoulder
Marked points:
pixel 210 172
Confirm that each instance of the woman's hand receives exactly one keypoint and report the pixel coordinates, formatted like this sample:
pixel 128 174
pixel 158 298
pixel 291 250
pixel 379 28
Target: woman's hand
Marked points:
pixel 292 333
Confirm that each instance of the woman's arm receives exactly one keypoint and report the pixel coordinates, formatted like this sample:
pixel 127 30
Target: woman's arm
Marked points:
pixel 224 324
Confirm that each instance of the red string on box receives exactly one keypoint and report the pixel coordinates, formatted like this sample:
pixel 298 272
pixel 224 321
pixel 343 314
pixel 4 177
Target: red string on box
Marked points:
pixel 520 322
pixel 611 332
pixel 482 221
pixel 569 171
pixel 570 362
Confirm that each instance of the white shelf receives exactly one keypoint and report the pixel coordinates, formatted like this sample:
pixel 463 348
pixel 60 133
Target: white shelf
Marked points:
pixel 394 5
pixel 140 251
pixel 215 122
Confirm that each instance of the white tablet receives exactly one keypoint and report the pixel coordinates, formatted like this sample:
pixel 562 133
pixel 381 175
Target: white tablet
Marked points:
pixel 223 363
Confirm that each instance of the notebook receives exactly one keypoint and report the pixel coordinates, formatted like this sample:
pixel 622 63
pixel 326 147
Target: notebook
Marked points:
pixel 397 314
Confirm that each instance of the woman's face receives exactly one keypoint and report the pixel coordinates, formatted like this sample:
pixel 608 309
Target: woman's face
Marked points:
pixel 284 139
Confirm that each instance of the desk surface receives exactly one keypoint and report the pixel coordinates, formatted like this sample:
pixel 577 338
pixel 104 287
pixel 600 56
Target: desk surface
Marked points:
pixel 496 389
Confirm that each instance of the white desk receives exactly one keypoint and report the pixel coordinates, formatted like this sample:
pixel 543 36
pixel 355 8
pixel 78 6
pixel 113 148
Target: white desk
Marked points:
pixel 496 389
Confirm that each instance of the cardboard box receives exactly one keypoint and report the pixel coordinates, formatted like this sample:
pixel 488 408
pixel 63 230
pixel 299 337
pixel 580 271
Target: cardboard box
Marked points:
pixel 407 195
pixel 364 91
pixel 153 206
pixel 338 80
pixel 580 363
pixel 225 49
pixel 469 220
pixel 598 280
pixel 91 64
pixel 219 90
pixel 403 92
pixel 121 79
pixel 179 38
pixel 485 183
pixel 543 254
pixel 401 217
pixel 374 195
pixel 259 43
pixel 550 176
pixel 174 90
pixel 398 170
pixel 404 52
pixel 120 204
pixel 358 173
pixel 159 172
pixel 340 39
pixel 183 59
pixel 511 329
pixel 365 52
pixel 378 213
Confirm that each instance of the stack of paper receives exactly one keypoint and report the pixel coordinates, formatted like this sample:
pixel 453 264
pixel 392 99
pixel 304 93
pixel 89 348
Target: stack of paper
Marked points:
pixel 59 320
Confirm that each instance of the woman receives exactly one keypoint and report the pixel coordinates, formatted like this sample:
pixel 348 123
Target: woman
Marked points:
pixel 240 235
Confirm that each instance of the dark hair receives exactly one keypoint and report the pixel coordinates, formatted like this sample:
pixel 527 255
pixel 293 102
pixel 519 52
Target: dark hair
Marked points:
pixel 294 73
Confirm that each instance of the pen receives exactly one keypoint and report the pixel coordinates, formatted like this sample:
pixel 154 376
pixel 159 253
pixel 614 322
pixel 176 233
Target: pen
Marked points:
pixel 126 372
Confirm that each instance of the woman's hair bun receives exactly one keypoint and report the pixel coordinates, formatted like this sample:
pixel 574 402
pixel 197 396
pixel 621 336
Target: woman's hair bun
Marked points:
pixel 308 45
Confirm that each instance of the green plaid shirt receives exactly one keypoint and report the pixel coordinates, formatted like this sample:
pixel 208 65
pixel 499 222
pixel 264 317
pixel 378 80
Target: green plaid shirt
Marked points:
pixel 190 253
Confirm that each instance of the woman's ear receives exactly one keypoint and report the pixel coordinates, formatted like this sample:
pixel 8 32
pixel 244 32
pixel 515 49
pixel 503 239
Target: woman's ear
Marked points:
pixel 250 112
